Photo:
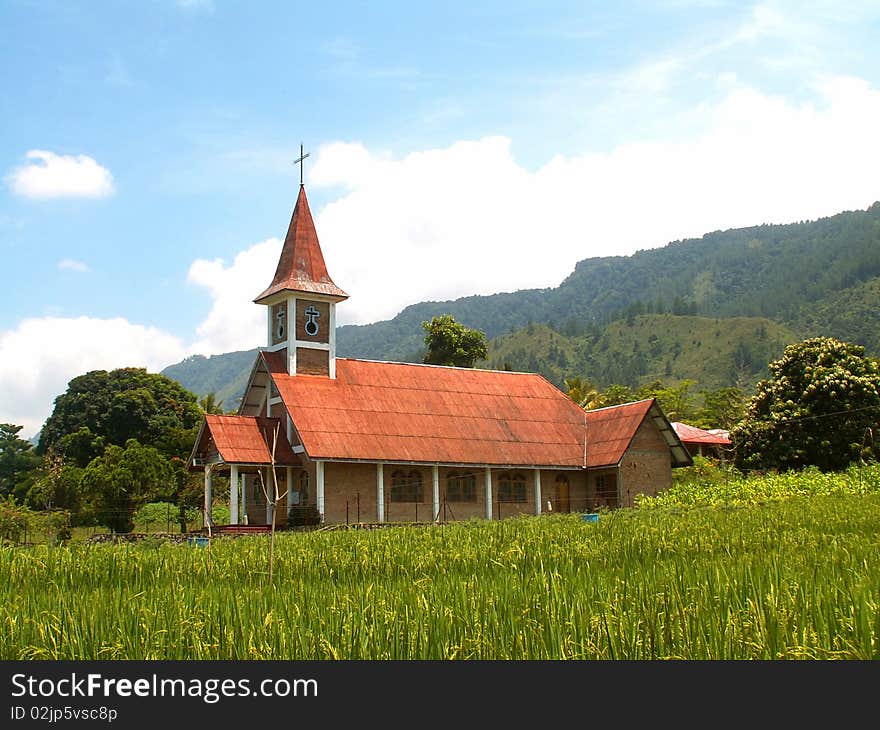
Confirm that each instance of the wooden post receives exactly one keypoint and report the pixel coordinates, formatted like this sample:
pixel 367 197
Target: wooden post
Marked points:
pixel 537 491
pixel 488 493
pixel 209 495
pixel 380 492
pixel 435 478
pixel 270 490
pixel 233 494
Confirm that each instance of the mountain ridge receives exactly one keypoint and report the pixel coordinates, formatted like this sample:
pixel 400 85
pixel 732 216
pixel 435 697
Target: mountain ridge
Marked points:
pixel 809 278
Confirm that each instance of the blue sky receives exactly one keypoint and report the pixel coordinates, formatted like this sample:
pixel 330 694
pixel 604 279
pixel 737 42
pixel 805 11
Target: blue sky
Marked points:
pixel 146 154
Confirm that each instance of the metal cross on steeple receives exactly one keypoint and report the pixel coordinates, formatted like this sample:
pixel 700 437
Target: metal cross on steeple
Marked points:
pixel 299 161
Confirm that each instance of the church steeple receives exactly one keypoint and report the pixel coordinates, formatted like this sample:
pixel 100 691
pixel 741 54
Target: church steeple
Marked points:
pixel 303 295
pixel 301 267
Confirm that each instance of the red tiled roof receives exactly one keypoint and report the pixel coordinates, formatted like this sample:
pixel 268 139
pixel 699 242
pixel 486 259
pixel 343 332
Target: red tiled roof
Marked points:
pixel 380 411
pixel 693 435
pixel 610 430
pixel 246 440
pixel 301 266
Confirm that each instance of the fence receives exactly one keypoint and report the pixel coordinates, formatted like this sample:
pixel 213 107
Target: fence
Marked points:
pixel 395 511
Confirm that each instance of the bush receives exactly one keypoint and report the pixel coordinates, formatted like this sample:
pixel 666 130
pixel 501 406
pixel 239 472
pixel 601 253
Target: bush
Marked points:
pixel 705 471
pixel 14 521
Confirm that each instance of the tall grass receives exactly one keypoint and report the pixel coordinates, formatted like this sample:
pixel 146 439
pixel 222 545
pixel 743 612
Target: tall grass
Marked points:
pixel 707 484
pixel 798 579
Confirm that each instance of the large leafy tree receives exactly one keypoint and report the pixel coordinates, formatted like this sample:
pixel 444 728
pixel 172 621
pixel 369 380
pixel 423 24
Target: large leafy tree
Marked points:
pixel 116 484
pixel 102 408
pixel 820 406
pixel 722 408
pixel 56 484
pixel 18 462
pixel 451 343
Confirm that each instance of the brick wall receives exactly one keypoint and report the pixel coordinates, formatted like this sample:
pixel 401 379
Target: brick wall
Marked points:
pixel 350 493
pixel 646 468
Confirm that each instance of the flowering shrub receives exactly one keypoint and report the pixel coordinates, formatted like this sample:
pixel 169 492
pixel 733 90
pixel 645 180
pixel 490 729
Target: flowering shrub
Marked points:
pixel 820 407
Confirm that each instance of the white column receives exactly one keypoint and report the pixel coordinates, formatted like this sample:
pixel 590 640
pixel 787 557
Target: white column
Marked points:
pixel 244 500
pixel 233 494
pixel 209 495
pixel 289 471
pixel 435 478
pixel 488 493
pixel 380 492
pixel 332 340
pixel 291 337
pixel 537 491
pixel 319 488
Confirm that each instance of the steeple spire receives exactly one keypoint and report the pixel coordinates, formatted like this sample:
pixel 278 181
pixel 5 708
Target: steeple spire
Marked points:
pixel 301 267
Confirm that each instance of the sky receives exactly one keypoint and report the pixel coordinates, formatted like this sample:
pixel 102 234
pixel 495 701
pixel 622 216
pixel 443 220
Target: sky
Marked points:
pixel 147 153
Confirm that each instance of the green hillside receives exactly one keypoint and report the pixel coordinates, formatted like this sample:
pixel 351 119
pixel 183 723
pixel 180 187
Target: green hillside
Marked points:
pixel 850 314
pixel 714 352
pixel 224 375
pixel 797 274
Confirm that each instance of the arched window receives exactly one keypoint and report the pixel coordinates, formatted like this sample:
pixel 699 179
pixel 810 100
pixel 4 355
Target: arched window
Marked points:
pixel 512 487
pixel 461 487
pixel 406 486
pixel 259 497
pixel 303 487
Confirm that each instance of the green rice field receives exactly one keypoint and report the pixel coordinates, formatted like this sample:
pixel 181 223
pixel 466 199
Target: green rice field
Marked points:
pixel 797 578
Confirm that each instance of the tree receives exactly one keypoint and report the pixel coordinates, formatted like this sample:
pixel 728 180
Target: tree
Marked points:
pixel 116 484
pixel 122 404
pixel 615 395
pixel 209 403
pixel 451 343
pixel 186 488
pixel 17 462
pixel 722 408
pixel 272 493
pixel 101 409
pixel 820 406
pixel 675 401
pixel 56 484
pixel 584 393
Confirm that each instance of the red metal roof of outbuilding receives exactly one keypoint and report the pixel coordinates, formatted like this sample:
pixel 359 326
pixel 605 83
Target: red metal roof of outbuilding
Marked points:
pixel 301 266
pixel 382 411
pixel 246 440
pixel 693 435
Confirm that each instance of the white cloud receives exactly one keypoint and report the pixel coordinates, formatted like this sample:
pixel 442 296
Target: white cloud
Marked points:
pixel 235 322
pixel 60 176
pixel 468 219
pixel 73 265
pixel 40 356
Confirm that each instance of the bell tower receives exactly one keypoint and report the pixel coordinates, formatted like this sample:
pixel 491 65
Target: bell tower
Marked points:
pixel 301 300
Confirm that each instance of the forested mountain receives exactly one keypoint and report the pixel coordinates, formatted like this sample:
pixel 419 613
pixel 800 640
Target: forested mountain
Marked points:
pixel 713 352
pixel 698 298
pixel 797 274
pixel 224 375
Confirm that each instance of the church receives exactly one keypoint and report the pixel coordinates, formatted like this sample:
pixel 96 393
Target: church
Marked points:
pixel 321 439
